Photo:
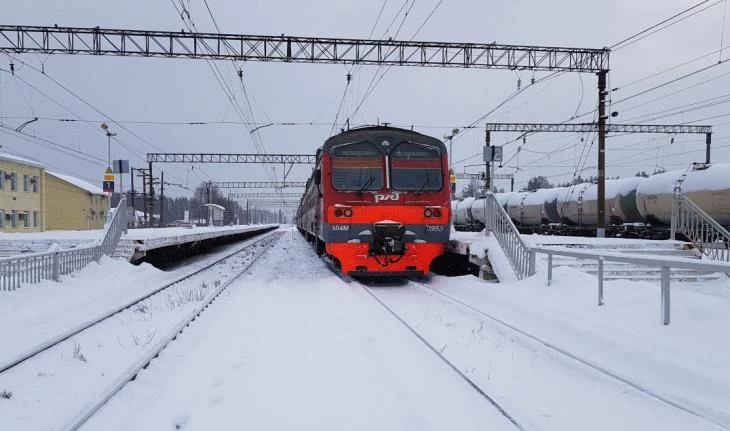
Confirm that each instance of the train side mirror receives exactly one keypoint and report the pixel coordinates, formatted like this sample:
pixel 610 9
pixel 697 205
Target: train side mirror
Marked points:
pixel 318 177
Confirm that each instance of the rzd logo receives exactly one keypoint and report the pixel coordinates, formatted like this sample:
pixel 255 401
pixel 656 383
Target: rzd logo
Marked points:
pixel 388 197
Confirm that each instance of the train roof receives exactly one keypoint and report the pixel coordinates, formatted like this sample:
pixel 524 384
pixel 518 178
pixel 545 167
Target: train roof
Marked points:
pixel 379 132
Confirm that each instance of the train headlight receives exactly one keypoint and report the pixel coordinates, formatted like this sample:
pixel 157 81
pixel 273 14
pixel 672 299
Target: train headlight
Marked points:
pixel 348 212
pixel 437 212
pixel 338 212
pixel 427 212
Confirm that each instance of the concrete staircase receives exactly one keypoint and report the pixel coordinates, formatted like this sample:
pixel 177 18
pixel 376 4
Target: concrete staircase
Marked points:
pixel 124 250
pixel 627 271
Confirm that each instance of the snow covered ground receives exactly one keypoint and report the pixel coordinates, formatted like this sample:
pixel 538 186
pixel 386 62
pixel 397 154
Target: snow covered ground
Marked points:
pixel 295 347
pixel 31 315
pixel 54 235
pixel 291 346
pixel 62 379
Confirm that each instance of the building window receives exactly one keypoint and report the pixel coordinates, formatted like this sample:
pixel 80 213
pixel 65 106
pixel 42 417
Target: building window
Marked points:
pixel 2 179
pixel 25 218
pixel 36 218
pixel 2 219
pixel 14 219
pixel 35 180
pixel 13 182
pixel 26 183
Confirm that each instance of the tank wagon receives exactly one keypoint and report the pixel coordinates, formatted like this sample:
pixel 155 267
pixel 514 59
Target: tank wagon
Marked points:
pixel 636 206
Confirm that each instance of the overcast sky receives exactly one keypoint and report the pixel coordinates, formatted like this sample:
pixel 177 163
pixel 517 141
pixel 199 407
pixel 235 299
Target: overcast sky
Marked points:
pixel 130 90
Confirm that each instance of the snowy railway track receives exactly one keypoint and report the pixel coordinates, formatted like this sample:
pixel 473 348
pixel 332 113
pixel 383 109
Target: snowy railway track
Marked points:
pixel 491 400
pixel 131 373
pixel 260 245
pixel 550 347
pixel 12 362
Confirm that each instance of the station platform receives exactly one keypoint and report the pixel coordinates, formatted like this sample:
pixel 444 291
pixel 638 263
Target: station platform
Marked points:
pixel 467 253
pixel 164 244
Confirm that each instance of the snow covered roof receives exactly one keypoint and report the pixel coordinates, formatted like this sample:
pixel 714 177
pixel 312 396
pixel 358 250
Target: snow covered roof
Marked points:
pixel 17 159
pixel 78 183
pixel 540 196
pixel 713 178
pixel 216 206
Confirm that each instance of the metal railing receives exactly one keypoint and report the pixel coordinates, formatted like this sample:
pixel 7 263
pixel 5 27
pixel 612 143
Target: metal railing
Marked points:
pixel 498 222
pixel 665 263
pixel 697 226
pixel 51 265
pixel 114 230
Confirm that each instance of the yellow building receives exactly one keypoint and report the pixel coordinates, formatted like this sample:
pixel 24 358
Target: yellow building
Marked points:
pixel 21 194
pixel 72 203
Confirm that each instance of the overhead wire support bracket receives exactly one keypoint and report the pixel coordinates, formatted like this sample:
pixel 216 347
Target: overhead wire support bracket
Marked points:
pixel 298 49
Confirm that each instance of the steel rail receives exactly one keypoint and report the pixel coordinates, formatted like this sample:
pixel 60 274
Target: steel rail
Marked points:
pixel 131 373
pixel 585 362
pixel 13 362
pixel 453 367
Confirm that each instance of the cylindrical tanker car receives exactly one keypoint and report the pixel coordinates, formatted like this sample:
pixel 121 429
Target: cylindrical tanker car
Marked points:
pixel 378 202
pixel 628 200
pixel 709 188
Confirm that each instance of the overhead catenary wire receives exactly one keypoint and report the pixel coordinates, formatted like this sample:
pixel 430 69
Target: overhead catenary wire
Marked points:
pixel 658 26
pixel 220 78
pixel 373 84
pixel 53 145
pixel 61 85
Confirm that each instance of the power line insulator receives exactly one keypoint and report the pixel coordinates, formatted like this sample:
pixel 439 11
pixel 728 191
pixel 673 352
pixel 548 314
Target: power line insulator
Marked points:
pixel 349 77
pixel 240 74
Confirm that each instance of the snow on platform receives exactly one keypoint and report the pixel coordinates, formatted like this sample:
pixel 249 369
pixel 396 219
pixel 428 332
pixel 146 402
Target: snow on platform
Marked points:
pixel 152 238
pixel 141 240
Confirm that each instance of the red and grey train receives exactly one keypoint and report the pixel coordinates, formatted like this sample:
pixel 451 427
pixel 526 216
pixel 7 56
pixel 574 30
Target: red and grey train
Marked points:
pixel 378 202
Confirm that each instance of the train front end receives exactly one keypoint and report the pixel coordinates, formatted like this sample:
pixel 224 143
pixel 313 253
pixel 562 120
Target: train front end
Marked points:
pixel 386 201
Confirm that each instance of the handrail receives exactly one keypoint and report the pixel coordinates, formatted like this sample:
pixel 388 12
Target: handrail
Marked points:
pixel 705 232
pixel 664 262
pixel 498 222
pixel 116 227
pixel 51 265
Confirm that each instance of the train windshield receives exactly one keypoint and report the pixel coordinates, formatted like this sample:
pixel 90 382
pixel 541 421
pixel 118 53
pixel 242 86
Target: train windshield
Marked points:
pixel 357 166
pixel 415 167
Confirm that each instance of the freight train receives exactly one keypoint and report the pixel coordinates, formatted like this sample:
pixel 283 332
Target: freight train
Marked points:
pixel 635 207
pixel 378 202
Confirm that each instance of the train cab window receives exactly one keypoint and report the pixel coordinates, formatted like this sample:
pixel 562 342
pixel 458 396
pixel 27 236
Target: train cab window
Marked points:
pixel 357 166
pixel 415 167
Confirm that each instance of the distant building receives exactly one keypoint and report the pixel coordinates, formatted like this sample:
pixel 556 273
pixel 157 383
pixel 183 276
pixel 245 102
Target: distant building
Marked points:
pixel 72 203
pixel 21 194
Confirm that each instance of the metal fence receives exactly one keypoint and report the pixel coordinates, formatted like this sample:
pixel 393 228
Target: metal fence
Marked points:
pixel 498 222
pixel 51 265
pixel 664 262
pixel 694 223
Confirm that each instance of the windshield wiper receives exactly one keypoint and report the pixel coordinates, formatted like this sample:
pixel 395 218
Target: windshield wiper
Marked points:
pixel 367 183
pixel 425 183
